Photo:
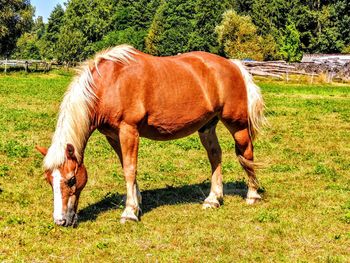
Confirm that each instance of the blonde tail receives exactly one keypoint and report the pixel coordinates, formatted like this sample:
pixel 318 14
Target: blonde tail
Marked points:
pixel 255 102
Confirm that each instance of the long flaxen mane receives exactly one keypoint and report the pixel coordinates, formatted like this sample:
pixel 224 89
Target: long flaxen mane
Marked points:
pixel 74 120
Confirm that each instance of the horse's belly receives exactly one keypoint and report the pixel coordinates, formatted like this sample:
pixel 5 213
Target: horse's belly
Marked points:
pixel 175 129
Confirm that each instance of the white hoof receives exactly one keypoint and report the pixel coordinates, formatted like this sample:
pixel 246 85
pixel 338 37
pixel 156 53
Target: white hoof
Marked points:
pixel 211 202
pixel 253 197
pixel 208 205
pixel 252 201
pixel 130 215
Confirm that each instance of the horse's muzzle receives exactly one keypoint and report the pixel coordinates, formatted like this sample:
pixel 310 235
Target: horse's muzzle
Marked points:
pixel 60 222
pixel 68 221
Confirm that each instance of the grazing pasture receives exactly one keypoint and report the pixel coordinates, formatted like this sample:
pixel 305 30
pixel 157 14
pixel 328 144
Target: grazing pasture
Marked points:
pixel 305 184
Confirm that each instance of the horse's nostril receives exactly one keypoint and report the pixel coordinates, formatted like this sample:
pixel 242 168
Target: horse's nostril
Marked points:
pixel 60 222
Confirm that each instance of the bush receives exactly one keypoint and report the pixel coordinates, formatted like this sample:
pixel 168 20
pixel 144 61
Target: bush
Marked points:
pixel 238 38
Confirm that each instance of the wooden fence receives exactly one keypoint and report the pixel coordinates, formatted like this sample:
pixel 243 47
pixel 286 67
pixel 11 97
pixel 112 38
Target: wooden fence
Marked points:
pixel 331 70
pixel 332 67
pixel 6 64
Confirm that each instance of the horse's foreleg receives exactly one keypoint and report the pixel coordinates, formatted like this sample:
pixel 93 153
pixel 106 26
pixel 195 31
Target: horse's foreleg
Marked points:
pixel 211 144
pixel 129 142
pixel 244 151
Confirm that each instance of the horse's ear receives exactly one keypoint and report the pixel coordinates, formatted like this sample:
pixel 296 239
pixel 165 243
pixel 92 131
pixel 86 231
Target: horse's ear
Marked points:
pixel 41 150
pixel 70 152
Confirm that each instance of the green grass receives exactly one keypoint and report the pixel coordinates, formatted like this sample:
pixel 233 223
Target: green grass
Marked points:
pixel 304 215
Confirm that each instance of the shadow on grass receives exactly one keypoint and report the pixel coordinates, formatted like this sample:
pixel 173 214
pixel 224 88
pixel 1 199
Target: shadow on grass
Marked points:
pixel 195 193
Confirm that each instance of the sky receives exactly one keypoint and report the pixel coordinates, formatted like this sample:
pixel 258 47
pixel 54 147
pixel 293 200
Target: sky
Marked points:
pixel 44 7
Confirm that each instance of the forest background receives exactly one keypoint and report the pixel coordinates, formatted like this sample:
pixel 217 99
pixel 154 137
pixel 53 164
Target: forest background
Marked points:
pixel 243 29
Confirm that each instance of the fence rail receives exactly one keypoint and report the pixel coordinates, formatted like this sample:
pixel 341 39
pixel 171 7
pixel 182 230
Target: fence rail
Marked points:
pixel 7 63
pixel 334 68
pixel 339 71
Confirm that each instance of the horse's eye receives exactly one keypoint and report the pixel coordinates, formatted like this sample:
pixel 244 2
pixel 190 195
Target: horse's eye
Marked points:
pixel 71 182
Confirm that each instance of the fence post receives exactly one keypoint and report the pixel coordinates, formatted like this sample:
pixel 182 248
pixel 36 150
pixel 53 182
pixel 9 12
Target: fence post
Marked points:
pixel 5 66
pixel 26 66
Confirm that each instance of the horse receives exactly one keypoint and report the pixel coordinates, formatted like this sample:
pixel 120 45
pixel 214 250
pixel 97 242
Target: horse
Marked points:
pixel 126 94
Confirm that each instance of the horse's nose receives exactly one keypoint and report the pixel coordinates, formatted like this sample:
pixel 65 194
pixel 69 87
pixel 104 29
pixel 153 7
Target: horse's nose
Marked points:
pixel 60 222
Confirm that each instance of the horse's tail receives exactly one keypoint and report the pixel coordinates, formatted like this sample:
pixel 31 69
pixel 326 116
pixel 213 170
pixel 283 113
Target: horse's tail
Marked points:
pixel 256 104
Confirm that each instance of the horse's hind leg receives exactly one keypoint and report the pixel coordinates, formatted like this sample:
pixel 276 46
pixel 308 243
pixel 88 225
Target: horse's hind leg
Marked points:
pixel 210 142
pixel 244 152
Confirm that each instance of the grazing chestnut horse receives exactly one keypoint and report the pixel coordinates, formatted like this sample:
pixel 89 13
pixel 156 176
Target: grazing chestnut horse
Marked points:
pixel 127 94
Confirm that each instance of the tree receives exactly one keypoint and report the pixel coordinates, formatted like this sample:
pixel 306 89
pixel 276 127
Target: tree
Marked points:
pixel 129 24
pixel 48 43
pixel 71 45
pixel 129 36
pixel 171 28
pixel 238 38
pixel 27 46
pixel 320 23
pixel 327 37
pixel 290 47
pixel 342 17
pixel 15 19
pixel 87 21
pixel 207 16
pixel 134 13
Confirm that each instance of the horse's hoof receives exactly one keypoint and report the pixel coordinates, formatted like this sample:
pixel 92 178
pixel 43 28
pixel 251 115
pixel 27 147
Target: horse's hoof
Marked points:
pixel 211 204
pixel 130 215
pixel 123 220
pixel 252 197
pixel 252 201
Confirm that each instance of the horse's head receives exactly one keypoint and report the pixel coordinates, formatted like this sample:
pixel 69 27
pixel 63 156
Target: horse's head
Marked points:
pixel 67 182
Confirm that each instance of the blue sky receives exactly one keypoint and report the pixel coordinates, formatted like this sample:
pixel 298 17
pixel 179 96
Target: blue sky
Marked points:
pixel 44 7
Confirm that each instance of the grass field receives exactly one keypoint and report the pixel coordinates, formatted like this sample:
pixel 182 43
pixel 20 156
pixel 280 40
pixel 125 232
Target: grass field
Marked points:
pixel 304 215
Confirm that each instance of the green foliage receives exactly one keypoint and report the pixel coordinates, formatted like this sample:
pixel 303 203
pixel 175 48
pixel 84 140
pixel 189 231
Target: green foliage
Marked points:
pixel 342 17
pixel 327 37
pixel 27 47
pixel 171 28
pixel 84 23
pixel 14 148
pixel 238 38
pixel 72 45
pixel 4 170
pixel 290 44
pixel 208 15
pixel 48 44
pixel 346 50
pixel 138 14
pixel 15 19
pixel 168 27
pixel 267 216
pixel 129 36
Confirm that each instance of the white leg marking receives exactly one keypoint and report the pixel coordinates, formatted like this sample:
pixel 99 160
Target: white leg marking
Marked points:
pixel 57 195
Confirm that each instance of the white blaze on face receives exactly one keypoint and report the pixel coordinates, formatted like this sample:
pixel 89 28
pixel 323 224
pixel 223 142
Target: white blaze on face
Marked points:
pixel 57 195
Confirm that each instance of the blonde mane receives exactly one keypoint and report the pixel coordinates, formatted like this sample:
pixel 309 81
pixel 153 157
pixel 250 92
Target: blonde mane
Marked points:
pixel 74 120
